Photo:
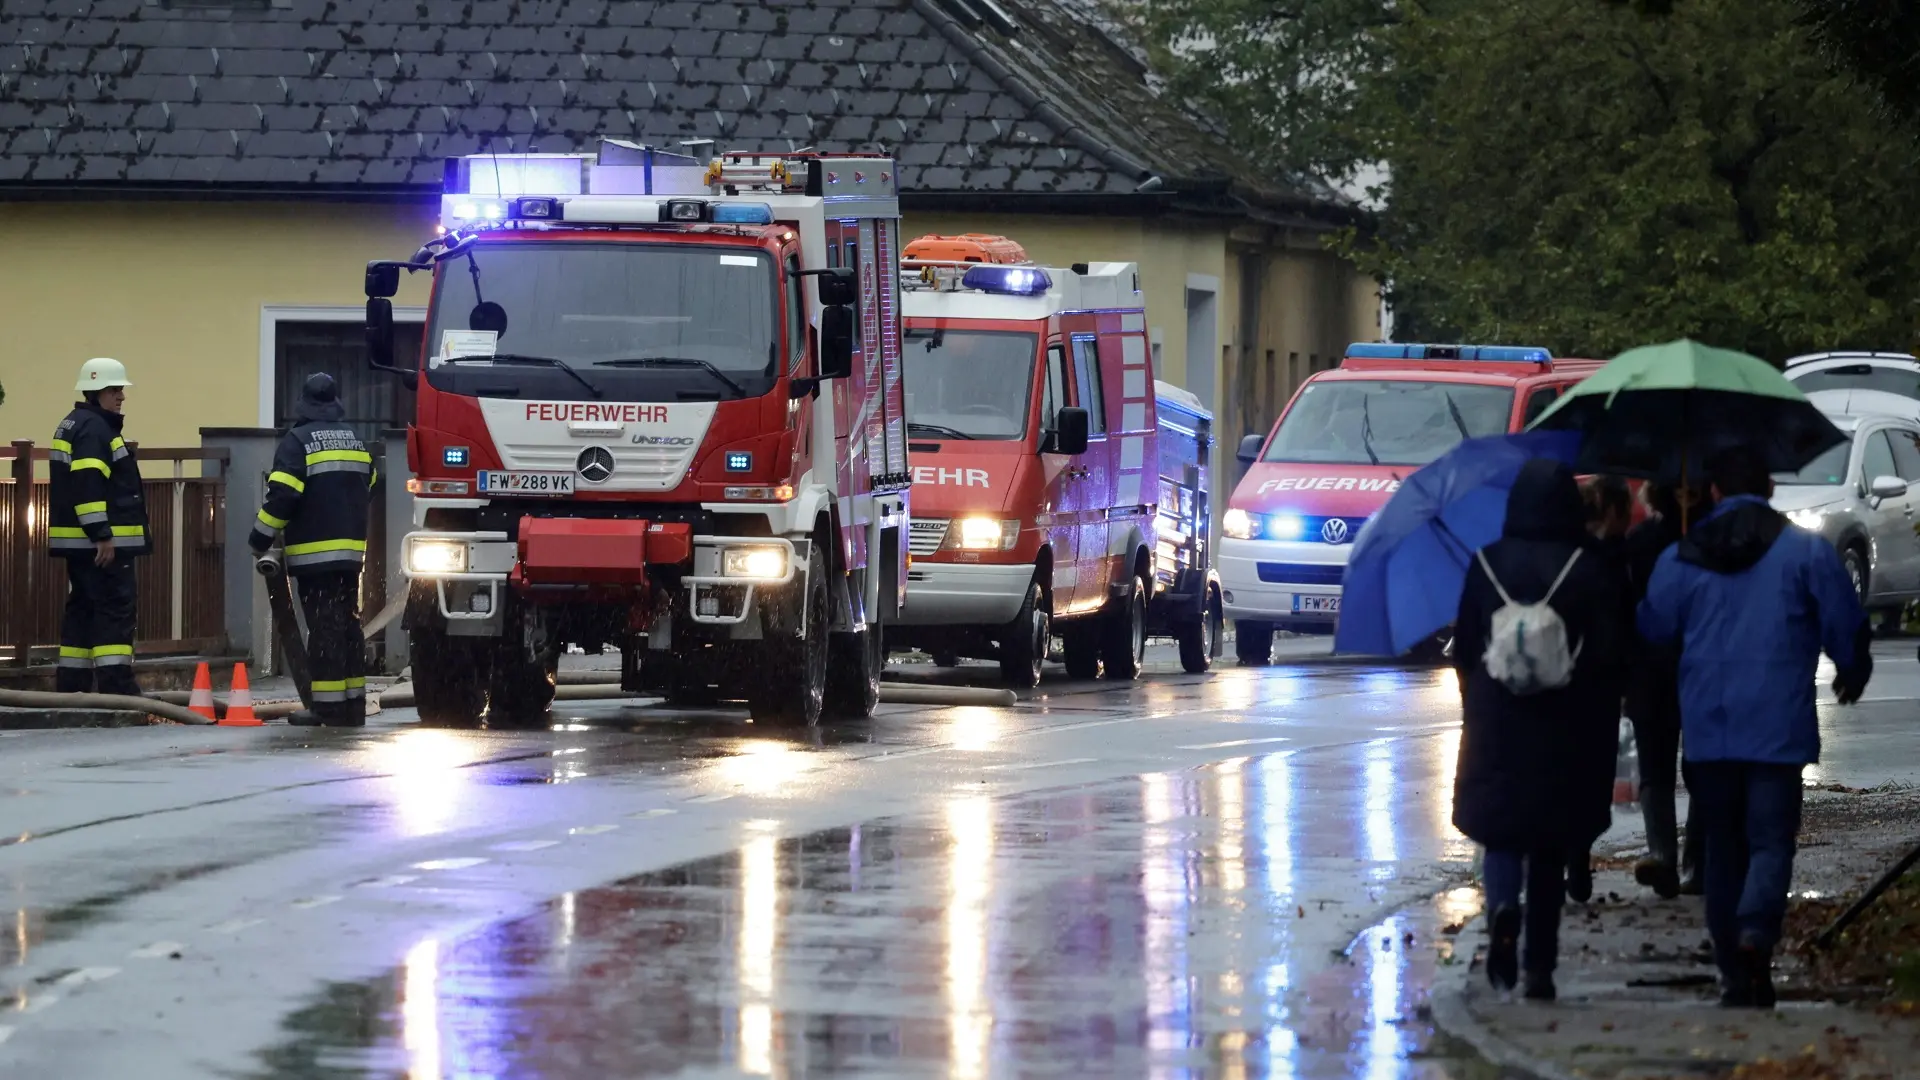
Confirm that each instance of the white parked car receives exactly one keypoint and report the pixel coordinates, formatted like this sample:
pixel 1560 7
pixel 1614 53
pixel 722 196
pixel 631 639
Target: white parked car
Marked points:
pixel 1860 495
pixel 1890 372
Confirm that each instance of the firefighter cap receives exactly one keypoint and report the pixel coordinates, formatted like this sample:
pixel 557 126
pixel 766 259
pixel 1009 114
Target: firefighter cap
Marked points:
pixel 101 373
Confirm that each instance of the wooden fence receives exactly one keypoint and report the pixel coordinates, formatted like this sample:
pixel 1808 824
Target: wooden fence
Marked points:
pixel 182 581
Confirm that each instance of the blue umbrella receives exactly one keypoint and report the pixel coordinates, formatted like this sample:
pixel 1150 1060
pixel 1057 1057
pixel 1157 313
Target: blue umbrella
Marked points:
pixel 1409 562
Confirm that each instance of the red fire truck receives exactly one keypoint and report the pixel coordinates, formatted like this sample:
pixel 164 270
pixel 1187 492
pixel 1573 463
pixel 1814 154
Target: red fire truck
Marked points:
pixel 660 411
pixel 1046 504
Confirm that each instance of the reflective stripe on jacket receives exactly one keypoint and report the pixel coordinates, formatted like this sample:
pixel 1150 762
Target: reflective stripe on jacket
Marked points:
pixel 318 494
pixel 94 492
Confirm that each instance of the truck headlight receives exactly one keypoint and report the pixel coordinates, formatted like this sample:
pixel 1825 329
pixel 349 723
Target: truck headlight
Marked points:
pixel 765 563
pixel 986 534
pixel 428 556
pixel 1237 523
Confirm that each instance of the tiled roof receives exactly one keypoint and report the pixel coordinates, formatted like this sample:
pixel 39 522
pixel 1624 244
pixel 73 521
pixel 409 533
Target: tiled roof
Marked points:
pixel 982 98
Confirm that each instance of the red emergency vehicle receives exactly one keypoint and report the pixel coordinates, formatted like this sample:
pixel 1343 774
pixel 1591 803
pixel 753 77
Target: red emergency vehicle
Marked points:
pixel 1340 448
pixel 1035 446
pixel 660 410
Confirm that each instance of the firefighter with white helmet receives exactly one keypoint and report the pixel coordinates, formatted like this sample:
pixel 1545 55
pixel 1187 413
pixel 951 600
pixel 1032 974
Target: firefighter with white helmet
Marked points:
pixel 97 522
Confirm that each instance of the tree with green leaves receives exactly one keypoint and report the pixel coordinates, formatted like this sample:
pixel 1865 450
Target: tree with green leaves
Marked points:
pixel 1593 176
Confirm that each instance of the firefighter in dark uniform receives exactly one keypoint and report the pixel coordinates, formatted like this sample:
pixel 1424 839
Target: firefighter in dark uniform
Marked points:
pixel 319 492
pixel 97 522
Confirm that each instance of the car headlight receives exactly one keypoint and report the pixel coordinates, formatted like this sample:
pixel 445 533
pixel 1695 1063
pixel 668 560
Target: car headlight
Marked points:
pixel 1810 520
pixel 985 533
pixel 765 563
pixel 428 556
pixel 1237 523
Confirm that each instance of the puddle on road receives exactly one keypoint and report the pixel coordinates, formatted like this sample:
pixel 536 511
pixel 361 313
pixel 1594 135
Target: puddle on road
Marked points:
pixel 1169 926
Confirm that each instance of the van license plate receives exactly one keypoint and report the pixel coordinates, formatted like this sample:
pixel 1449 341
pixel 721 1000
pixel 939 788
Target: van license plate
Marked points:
pixel 1316 605
pixel 526 483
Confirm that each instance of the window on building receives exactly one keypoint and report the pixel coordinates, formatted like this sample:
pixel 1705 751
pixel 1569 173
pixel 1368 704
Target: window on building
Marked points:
pixel 375 401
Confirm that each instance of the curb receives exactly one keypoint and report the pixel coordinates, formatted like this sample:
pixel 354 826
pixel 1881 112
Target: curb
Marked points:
pixel 12 719
pixel 1452 1015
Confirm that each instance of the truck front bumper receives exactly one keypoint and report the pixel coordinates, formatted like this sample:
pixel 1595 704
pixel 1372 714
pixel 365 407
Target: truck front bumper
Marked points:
pixel 962 594
pixel 1289 584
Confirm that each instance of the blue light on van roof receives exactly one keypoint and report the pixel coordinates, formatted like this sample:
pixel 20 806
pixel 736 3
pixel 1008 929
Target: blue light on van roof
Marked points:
pixel 1517 354
pixel 742 214
pixel 1010 280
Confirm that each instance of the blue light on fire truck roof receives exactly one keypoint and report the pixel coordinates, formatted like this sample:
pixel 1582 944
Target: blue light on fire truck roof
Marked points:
pixel 1011 280
pixel 742 214
pixel 1518 354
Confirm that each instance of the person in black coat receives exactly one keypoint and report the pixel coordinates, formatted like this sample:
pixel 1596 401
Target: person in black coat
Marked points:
pixel 1653 704
pixel 1535 776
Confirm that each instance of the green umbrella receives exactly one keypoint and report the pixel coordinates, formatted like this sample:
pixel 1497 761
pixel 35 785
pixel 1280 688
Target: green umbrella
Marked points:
pixel 1660 410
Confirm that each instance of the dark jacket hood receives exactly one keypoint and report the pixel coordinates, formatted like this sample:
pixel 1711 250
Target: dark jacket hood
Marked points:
pixel 319 402
pixel 1734 537
pixel 116 421
pixel 1544 504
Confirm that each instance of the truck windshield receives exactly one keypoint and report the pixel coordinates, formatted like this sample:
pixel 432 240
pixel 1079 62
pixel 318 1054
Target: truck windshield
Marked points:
pixel 969 384
pixel 640 322
pixel 1387 421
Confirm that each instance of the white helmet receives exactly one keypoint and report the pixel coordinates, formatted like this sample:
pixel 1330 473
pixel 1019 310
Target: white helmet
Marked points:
pixel 101 373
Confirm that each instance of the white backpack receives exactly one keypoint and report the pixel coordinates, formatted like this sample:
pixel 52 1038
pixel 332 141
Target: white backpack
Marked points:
pixel 1527 650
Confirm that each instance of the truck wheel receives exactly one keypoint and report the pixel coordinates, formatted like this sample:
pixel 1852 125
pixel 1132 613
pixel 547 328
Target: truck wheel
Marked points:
pixel 449 676
pixel 945 659
pixel 854 664
pixel 790 690
pixel 1199 639
pixel 1123 644
pixel 1253 643
pixel 1024 647
pixel 1080 643
pixel 520 694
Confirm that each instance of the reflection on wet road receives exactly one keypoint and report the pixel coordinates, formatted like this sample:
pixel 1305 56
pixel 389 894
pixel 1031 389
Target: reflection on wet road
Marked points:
pixel 1171 925
pixel 1238 875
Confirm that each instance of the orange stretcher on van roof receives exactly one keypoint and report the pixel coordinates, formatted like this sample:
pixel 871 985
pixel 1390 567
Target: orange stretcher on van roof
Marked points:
pixel 965 248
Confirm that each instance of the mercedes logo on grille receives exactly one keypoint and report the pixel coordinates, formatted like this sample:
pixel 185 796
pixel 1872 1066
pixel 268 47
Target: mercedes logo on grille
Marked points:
pixel 595 464
pixel 1333 532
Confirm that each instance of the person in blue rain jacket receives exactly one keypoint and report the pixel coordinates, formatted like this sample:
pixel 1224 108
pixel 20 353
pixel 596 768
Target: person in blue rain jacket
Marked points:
pixel 1751 601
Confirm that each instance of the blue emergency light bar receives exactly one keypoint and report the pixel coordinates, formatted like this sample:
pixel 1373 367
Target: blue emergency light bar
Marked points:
pixel 742 214
pixel 1008 280
pixel 1514 354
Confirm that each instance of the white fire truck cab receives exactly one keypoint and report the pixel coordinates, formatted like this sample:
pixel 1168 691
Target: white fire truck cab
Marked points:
pixel 660 409
pixel 1037 451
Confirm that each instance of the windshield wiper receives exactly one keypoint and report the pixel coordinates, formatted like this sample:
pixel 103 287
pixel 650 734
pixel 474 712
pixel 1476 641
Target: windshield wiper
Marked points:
pixel 1458 420
pixel 1366 428
pixel 936 429
pixel 519 358
pixel 675 361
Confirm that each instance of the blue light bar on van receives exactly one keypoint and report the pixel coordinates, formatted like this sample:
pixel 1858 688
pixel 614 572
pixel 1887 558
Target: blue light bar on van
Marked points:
pixel 742 214
pixel 1516 354
pixel 1010 280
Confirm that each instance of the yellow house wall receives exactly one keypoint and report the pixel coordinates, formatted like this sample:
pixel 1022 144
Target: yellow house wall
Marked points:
pixel 175 291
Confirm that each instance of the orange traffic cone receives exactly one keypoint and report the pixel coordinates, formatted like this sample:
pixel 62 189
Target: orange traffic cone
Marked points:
pixel 202 699
pixel 240 701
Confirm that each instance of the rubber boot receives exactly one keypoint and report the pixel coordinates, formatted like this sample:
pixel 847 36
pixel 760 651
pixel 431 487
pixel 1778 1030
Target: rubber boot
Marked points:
pixel 1503 951
pixel 1659 871
pixel 305 718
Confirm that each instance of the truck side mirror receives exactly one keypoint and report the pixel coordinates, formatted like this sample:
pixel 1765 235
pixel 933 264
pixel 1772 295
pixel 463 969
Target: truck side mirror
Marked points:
pixel 1250 449
pixel 383 280
pixel 380 341
pixel 1070 430
pixel 837 287
pixel 836 341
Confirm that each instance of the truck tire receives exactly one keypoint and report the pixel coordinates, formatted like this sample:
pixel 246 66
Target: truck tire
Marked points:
pixel 520 694
pixel 944 659
pixel 449 676
pixel 1123 637
pixel 1080 648
pixel 854 664
pixel 1201 638
pixel 1023 647
pixel 1253 643
pixel 790 689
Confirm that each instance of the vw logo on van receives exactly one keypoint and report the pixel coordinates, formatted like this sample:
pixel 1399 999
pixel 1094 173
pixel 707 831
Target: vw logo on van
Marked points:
pixel 1335 531
pixel 595 464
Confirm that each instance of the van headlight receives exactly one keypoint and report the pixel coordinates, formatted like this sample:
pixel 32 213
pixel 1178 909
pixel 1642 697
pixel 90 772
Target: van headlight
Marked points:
pixel 763 563
pixel 429 556
pixel 1237 524
pixel 985 533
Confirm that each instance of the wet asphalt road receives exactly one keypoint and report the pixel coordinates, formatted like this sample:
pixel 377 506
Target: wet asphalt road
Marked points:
pixel 1241 874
